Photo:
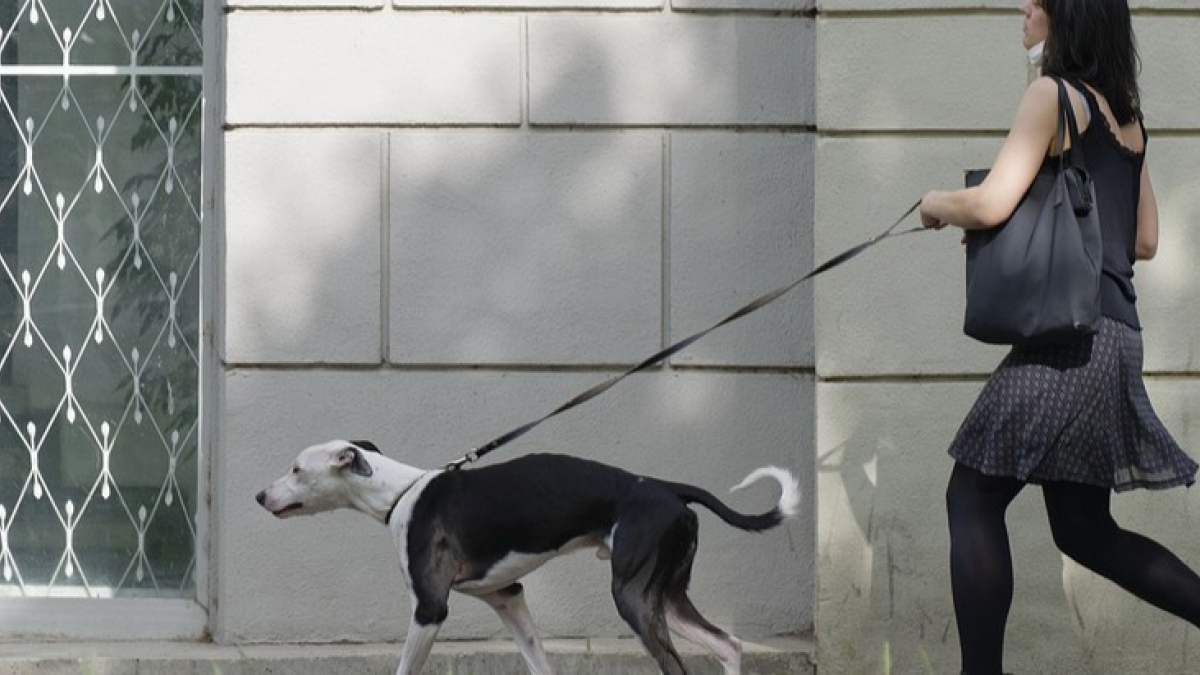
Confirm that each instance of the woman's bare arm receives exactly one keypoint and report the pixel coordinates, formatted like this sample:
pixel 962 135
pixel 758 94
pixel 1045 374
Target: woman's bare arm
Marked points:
pixel 993 201
pixel 1146 245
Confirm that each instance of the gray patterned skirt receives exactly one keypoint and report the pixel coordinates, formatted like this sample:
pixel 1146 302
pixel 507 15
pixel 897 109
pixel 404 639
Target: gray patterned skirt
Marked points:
pixel 1074 412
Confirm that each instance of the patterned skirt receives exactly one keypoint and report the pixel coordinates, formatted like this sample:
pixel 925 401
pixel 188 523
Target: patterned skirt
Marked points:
pixel 1074 412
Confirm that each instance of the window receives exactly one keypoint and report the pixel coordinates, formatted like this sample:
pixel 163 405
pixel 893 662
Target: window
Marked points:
pixel 101 110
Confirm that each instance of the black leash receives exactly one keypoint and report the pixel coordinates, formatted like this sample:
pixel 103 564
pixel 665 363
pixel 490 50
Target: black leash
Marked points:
pixel 754 306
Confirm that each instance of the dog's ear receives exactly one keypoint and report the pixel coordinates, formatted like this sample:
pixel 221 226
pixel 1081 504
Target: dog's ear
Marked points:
pixel 351 458
pixel 368 446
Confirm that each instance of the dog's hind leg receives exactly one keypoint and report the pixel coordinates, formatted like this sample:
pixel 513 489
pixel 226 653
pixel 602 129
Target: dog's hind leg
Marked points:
pixel 509 604
pixel 650 546
pixel 686 622
pixel 645 616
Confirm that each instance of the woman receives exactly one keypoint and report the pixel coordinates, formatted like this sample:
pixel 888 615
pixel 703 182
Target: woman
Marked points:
pixel 1074 418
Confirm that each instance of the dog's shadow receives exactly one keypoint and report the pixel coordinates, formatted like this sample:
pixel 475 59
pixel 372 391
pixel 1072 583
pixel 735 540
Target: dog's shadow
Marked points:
pixel 874 483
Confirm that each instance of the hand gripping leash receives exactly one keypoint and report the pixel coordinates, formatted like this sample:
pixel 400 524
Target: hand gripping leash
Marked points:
pixel 750 308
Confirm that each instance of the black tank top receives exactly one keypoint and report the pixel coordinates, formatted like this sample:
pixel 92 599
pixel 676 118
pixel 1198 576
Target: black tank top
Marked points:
pixel 1117 173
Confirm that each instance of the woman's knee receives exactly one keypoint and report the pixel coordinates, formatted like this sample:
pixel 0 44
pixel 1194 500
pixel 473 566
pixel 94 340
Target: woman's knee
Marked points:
pixel 1080 521
pixel 1072 543
pixel 970 491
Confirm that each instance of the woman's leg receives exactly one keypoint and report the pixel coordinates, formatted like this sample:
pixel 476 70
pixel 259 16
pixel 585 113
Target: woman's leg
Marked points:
pixel 1084 530
pixel 980 565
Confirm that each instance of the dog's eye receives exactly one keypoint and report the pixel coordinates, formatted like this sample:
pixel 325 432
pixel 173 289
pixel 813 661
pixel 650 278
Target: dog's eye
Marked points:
pixel 295 469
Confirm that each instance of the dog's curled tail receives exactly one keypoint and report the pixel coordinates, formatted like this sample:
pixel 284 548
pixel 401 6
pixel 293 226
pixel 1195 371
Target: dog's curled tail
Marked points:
pixel 789 500
pixel 788 505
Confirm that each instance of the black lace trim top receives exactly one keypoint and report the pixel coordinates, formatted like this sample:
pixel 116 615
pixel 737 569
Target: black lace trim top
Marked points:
pixel 1117 173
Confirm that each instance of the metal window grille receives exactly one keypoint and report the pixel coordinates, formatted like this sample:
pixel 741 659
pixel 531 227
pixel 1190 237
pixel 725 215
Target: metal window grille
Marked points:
pixel 100 146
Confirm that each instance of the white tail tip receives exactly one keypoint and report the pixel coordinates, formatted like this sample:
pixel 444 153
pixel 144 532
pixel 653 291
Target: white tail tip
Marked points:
pixel 789 501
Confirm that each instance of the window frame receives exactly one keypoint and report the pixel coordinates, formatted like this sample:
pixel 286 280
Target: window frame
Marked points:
pixel 175 619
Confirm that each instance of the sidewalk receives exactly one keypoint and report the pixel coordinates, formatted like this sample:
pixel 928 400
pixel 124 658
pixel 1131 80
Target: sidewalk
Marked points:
pixel 774 656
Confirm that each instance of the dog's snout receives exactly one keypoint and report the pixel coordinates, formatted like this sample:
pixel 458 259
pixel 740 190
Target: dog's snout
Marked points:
pixel 261 497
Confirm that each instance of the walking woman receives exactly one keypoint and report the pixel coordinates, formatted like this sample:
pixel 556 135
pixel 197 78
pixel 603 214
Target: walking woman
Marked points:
pixel 1073 418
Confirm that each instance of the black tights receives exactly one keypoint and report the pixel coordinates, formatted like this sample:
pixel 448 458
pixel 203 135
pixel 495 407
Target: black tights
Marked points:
pixel 981 563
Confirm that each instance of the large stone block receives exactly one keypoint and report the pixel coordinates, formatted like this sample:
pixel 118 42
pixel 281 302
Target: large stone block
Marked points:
pixel 884 596
pixel 1169 284
pixel 740 226
pixel 529 4
pixel 320 578
pixel 1167 45
pixel 893 72
pixel 304 4
pixel 526 248
pixel 1161 5
pixel 372 68
pixel 744 5
pixel 838 6
pixel 302 234
pixel 897 308
pixel 670 70
pixel 919 72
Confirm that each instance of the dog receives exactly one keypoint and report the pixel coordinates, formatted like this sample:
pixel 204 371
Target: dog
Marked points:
pixel 478 531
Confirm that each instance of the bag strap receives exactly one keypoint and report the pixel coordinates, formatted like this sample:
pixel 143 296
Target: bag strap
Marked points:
pixel 1067 111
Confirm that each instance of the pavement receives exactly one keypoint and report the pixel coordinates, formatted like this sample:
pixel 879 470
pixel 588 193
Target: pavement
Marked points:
pixel 772 656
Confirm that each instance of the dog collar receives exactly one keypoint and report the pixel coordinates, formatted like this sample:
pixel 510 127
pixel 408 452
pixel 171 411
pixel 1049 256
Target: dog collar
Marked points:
pixel 387 520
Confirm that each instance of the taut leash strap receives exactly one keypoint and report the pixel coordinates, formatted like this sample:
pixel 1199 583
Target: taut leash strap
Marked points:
pixel 670 351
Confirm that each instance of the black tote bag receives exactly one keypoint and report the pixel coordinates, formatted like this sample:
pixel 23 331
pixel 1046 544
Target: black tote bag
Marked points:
pixel 1036 277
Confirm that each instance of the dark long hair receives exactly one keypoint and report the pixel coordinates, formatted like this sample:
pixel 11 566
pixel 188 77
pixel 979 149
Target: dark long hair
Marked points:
pixel 1092 41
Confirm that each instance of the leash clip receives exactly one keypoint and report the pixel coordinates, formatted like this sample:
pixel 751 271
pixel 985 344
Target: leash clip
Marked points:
pixel 463 461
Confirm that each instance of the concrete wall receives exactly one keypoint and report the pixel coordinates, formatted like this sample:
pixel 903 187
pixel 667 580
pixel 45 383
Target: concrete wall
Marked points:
pixel 908 94
pixel 442 219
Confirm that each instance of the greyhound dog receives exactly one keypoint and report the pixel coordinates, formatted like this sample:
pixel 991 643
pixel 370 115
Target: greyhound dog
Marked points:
pixel 479 531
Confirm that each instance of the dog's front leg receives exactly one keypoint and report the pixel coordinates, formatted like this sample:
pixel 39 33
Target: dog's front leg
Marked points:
pixel 429 568
pixel 430 607
pixel 509 603
pixel 417 646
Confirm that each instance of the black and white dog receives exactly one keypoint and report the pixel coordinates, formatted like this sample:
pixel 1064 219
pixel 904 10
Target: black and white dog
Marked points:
pixel 479 531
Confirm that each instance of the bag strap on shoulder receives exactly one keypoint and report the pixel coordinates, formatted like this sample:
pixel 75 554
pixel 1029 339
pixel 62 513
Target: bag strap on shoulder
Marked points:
pixel 1067 111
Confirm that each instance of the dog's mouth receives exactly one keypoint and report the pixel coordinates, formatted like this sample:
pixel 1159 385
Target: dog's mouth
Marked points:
pixel 290 508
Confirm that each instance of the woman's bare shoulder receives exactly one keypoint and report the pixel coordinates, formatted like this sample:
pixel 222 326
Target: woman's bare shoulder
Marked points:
pixel 1039 105
pixel 1043 88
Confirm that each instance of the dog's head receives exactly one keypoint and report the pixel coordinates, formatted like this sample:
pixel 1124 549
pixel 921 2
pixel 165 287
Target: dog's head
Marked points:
pixel 320 479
